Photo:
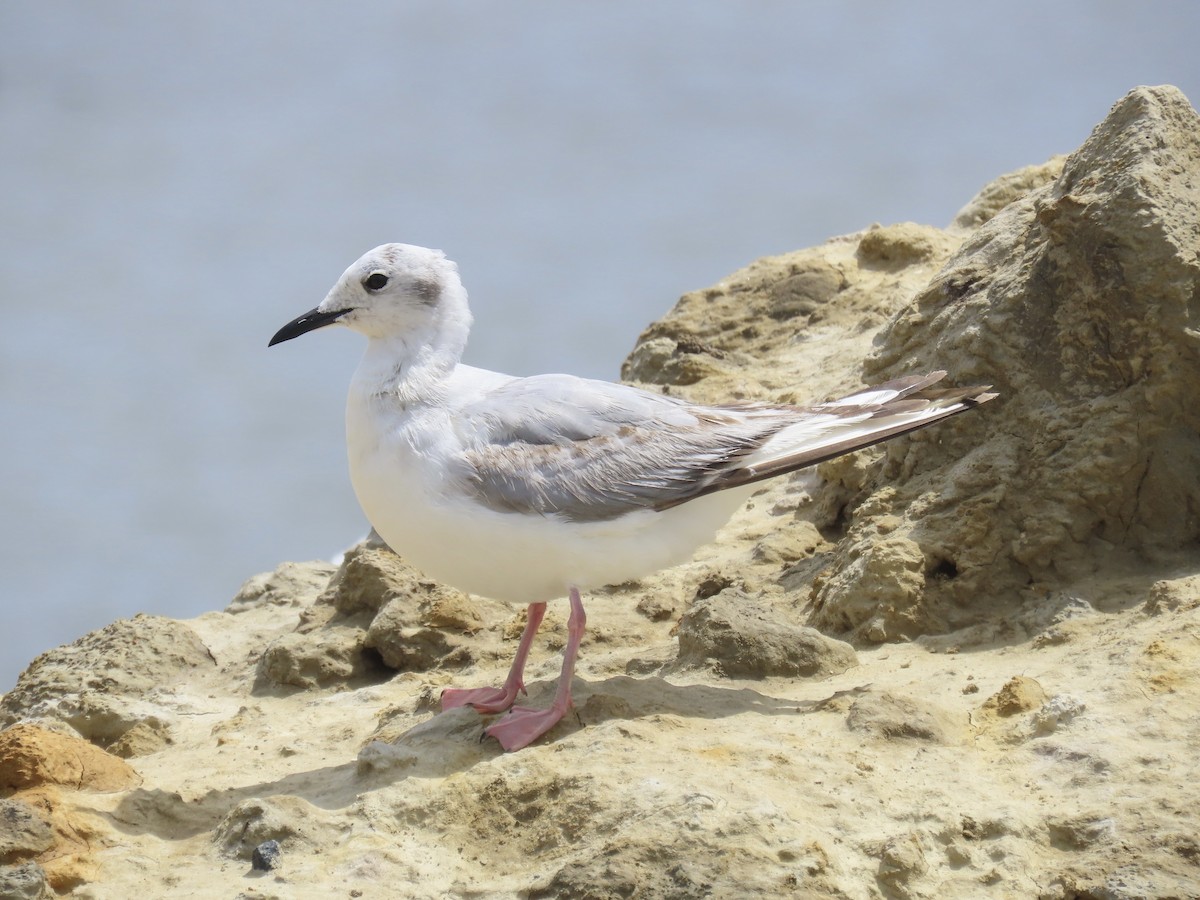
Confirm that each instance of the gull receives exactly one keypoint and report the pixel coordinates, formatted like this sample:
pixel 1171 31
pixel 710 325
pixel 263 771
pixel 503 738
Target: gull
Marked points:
pixel 526 489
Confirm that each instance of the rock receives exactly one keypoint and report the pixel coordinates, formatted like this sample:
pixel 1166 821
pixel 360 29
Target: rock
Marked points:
pixel 1056 712
pixel 149 735
pixel 406 645
pixel 23 832
pixel 452 737
pixel 291 584
pixel 26 881
pixel 734 635
pixel 452 610
pixel 657 608
pixel 371 576
pixel 31 756
pixel 1075 302
pixel 376 608
pixel 899 246
pixel 280 820
pixel 1080 832
pixel 901 860
pixel 317 659
pixel 266 856
pixel 876 591
pixel 713 342
pixel 1005 190
pixel 1172 595
pixel 95 684
pixel 894 717
pixel 623 871
pixel 1019 694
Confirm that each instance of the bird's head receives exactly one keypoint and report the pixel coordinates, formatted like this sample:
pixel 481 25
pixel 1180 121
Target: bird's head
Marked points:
pixel 395 289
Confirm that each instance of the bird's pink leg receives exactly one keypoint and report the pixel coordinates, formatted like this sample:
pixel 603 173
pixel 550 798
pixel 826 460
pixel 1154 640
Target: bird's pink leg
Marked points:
pixel 523 725
pixel 493 700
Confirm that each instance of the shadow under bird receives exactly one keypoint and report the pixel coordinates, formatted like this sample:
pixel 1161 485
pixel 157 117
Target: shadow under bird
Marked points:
pixel 526 489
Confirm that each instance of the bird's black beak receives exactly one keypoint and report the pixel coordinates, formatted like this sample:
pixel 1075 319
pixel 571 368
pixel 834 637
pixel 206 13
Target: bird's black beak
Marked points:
pixel 310 321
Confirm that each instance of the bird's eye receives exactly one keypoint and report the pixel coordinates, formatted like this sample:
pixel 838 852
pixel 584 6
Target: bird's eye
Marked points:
pixel 376 281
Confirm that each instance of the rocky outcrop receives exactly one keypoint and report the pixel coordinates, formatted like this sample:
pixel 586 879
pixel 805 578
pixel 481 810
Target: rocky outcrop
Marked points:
pixel 959 665
pixel 1078 301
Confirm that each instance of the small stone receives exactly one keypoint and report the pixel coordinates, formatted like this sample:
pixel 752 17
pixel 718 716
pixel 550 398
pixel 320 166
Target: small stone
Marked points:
pixel 893 717
pixel 1056 712
pixel 740 638
pixel 315 659
pixel 1019 694
pixel 266 856
pixel 657 607
pixel 403 642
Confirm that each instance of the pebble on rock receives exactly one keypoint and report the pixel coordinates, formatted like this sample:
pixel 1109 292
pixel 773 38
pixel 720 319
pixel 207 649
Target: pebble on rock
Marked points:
pixel 266 856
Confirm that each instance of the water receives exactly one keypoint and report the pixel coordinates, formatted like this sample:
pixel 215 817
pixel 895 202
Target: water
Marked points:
pixel 179 180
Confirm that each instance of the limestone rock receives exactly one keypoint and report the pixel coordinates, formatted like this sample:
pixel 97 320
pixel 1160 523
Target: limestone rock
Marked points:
pixel 149 735
pixel 1057 712
pixel 876 591
pixel 374 609
pixel 371 575
pixel 1019 694
pixel 1080 832
pixel 1005 190
pixel 711 345
pixel 291 584
pixel 26 881
pixel 894 717
pixel 733 635
pixel 289 821
pixel 901 861
pixel 95 684
pixel 23 832
pixel 1169 595
pixel 317 659
pixel 31 756
pixel 1077 301
pixel 406 639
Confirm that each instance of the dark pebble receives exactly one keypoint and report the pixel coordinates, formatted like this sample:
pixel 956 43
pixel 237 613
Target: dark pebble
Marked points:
pixel 266 856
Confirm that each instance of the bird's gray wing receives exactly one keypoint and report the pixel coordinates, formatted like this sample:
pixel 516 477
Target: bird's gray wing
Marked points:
pixel 591 451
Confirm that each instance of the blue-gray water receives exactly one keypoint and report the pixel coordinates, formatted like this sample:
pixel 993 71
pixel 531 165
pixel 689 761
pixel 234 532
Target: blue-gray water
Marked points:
pixel 178 180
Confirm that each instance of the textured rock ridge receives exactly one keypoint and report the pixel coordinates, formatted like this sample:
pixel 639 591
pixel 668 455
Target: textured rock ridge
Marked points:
pixel 1078 301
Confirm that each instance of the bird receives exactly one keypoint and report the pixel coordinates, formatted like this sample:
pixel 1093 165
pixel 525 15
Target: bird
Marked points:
pixel 526 489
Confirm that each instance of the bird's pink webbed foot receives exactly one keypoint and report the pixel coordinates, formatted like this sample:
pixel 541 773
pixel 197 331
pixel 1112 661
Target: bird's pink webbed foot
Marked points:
pixel 524 725
pixel 494 700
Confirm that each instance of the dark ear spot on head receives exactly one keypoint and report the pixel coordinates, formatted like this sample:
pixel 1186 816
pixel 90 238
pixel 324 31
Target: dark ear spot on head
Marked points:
pixel 429 292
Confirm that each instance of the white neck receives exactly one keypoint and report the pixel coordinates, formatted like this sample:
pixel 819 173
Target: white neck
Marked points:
pixel 412 366
pixel 404 368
